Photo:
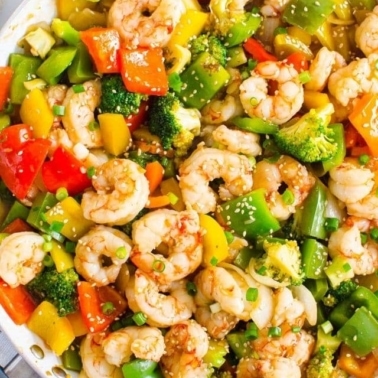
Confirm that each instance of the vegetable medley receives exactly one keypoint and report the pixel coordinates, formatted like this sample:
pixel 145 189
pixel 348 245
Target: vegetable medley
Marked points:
pixel 189 188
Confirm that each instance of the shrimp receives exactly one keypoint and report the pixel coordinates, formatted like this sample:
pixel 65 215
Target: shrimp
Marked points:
pixel 55 95
pixel 270 176
pixel 144 294
pixel 324 63
pixel 136 28
pixel 59 137
pixel 219 111
pixel 366 36
pixel 21 256
pixel 180 232
pixel 268 368
pixel 287 99
pixel 207 164
pixel 100 242
pixel 238 141
pixel 79 114
pixel 141 341
pixel 93 358
pixel 120 192
pixel 346 241
pixel 186 345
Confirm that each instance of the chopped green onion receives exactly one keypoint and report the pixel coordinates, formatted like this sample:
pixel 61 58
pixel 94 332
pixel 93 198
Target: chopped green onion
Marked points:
pixel 331 224
pixel 288 197
pixel 139 318
pixel 262 270
pixel 295 329
pixel 93 125
pixel 58 110
pixel 327 327
pixel 175 82
pixel 91 171
pixel 252 294
pixel 229 236
pixel 254 101
pixel 47 246
pixel 78 88
pixel 61 194
pixel 347 267
pixel 363 159
pixel 363 237
pixel 48 261
pixel 279 30
pixel 173 199
pixel 252 332
pixel 374 233
pixel 191 288
pixel 56 226
pixel 274 332
pixel 158 266
pixel 213 261
pixel 70 246
pixel 107 308
pixel 252 63
pixel 121 252
pixel 304 77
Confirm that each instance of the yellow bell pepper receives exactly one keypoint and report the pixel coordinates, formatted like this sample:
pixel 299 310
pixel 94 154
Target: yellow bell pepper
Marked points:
pixel 192 4
pixel 343 10
pixel 115 133
pixel 171 186
pixel 62 259
pixel 314 100
pixel 299 33
pixel 67 7
pixel 54 330
pixel 87 18
pixel 69 213
pixel 36 112
pixel 325 37
pixel 78 326
pixel 215 246
pixel 177 58
pixel 285 44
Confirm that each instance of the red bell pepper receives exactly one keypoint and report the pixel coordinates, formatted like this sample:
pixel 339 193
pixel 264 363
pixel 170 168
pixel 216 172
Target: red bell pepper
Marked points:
pixel 16 302
pixel 258 51
pixel 143 71
pixel 133 121
pixel 298 60
pixel 17 225
pixel 103 45
pixel 63 170
pixel 91 299
pixel 6 74
pixel 21 157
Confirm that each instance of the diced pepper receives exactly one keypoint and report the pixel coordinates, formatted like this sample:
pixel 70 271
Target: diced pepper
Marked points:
pixel 258 51
pixel 338 270
pixel 5 121
pixel 244 256
pixel 21 157
pixel 143 71
pixel 115 133
pixel 17 225
pixel 216 353
pixel 318 287
pixel 300 34
pixel 81 68
pixel 140 368
pixel 204 78
pixel 298 60
pixel 36 112
pixel 236 57
pixel 87 18
pixel 177 58
pixel 6 74
pixel 77 323
pixel 154 174
pixel 71 358
pixel 215 246
pixel 103 45
pixel 255 125
pixel 314 100
pixel 91 298
pixel 314 258
pixel 134 121
pixel 343 44
pixel 62 259
pixel 324 35
pixel 54 330
pixel 285 45
pixel 256 219
pixel 339 140
pixel 155 202
pixel 16 302
pixel 363 4
pixel 64 170
pixel 171 185
pixel 66 7
pixel 64 30
pixel 69 214
pixel 239 344
pixel 16 211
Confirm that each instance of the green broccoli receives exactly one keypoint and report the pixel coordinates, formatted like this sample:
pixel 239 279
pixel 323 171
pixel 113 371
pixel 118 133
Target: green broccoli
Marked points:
pixel 340 293
pixel 210 43
pixel 175 125
pixel 56 288
pixel 310 138
pixel 320 364
pixel 281 261
pixel 116 98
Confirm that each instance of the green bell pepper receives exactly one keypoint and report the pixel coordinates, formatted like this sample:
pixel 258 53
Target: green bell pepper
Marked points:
pixel 244 256
pixel 17 210
pixel 254 125
pixel 318 287
pixel 139 368
pixel 239 344
pixel 314 258
pixel 64 30
pixel 326 340
pixel 338 270
pixel 236 57
pixel 81 68
pixel 5 121
pixel 339 139
pixel 71 358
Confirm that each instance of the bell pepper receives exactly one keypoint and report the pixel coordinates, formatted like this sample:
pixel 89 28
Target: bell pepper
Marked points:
pixel 300 34
pixel 16 302
pixel 36 112
pixel 64 170
pixel 298 60
pixel 236 57
pixel 134 121
pixel 16 211
pixel 103 45
pixel 285 45
pixel 5 121
pixel 17 225
pixel 318 287
pixel 66 7
pixel 256 219
pixel 204 78
pixel 71 358
pixel 77 323
pixel 314 258
pixel 54 330
pixel 143 71
pixel 339 140
pixel 325 36
pixel 69 214
pixel 63 260
pixel 24 69
pixel 64 30
pixel 338 270
pixel 171 185
pixel 87 18
pixel 81 68
pixel 257 51
pixel 177 57
pixel 216 353
pixel 254 125
pixel 91 299
pixel 6 74
pixel 343 43
pixel 239 344
pixel 141 368
pixel 363 4
pixel 314 100
pixel 21 157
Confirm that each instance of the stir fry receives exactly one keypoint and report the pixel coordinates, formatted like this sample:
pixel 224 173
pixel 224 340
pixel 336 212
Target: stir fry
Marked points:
pixel 189 188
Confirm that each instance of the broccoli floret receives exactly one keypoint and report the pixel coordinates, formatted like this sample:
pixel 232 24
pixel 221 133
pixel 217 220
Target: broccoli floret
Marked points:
pixel 310 138
pixel 116 98
pixel 281 261
pixel 320 365
pixel 340 293
pixel 175 125
pixel 211 44
pixel 56 288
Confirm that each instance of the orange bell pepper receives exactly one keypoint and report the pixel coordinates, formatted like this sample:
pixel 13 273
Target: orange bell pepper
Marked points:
pixel 298 60
pixel 154 174
pixel 6 74
pixel 158 201
pixel 17 225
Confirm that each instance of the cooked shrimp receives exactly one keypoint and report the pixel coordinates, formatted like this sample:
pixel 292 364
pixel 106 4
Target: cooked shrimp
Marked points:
pixel 287 99
pixel 180 232
pixel 79 114
pixel 268 368
pixel 207 164
pixel 145 23
pixel 143 342
pixel 218 111
pixel 21 256
pixel 162 310
pixel 288 171
pixel 100 242
pixel 55 95
pixel 324 63
pixel 238 141
pixel 366 36
pixel 186 345
pixel 120 192
pixel 59 138
pixel 93 358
